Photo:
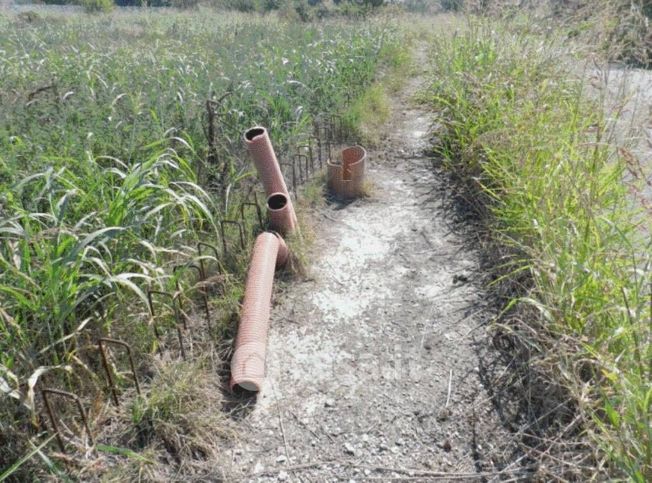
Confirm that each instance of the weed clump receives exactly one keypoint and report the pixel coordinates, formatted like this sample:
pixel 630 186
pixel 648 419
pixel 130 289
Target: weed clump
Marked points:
pixel 176 420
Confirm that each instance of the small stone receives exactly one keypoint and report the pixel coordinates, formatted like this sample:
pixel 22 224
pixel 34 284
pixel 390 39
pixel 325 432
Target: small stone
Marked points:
pixel 281 459
pixel 460 278
pixel 283 476
pixel 329 403
pixel 383 447
pixel 367 472
pixel 443 414
pixel 348 448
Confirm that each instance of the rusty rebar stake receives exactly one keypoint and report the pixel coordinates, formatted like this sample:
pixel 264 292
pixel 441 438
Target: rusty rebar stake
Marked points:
pixel 328 148
pixel 105 363
pixel 176 316
pixel 240 229
pixel 55 426
pixel 294 179
pixel 307 164
pixel 308 147
pixel 201 290
pixel 259 213
pixel 201 260
pixel 340 125
pixel 297 160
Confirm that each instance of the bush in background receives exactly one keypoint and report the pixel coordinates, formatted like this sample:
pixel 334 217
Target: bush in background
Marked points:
pixel 97 6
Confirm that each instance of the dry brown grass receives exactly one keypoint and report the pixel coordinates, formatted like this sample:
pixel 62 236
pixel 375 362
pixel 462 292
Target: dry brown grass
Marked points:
pixel 175 432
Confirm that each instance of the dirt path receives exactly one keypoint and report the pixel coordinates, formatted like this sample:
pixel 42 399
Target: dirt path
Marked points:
pixel 373 371
pixel 626 95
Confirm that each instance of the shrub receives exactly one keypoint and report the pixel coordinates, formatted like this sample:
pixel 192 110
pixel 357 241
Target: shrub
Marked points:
pixel 97 6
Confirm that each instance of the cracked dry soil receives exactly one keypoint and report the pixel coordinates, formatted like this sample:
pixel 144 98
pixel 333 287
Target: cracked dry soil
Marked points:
pixel 373 363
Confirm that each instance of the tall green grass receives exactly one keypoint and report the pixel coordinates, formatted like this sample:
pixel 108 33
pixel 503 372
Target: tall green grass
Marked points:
pixel 529 144
pixel 110 173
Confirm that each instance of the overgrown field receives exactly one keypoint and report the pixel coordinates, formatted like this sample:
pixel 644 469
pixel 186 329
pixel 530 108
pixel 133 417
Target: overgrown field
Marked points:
pixel 120 150
pixel 537 165
pixel 619 29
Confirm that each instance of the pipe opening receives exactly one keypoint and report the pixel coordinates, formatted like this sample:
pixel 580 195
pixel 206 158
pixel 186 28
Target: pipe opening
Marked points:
pixel 277 201
pixel 249 386
pixel 353 154
pixel 254 132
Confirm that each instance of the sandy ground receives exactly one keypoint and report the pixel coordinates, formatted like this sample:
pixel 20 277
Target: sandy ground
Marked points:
pixel 373 365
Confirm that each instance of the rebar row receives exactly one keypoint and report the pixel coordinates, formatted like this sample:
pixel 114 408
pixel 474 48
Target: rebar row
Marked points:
pixel 308 157
pixel 234 235
pixel 312 154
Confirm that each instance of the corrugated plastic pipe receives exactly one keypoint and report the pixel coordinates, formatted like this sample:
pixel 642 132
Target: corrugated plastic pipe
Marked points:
pixel 346 178
pixel 279 211
pixel 269 171
pixel 248 362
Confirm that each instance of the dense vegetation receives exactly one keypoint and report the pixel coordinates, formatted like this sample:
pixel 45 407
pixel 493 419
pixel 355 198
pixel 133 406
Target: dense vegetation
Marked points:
pixel 621 29
pixel 303 10
pixel 120 149
pixel 530 146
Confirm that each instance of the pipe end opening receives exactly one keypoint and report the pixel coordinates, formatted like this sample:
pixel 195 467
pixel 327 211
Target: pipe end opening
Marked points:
pixel 353 154
pixel 254 132
pixel 248 386
pixel 277 201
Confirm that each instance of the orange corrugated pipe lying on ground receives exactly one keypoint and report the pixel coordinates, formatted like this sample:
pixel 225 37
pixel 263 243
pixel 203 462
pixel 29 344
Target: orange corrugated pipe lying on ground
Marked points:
pixel 248 362
pixel 281 213
pixel 345 179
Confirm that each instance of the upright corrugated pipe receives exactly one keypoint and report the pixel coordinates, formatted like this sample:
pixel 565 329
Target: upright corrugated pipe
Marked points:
pixel 248 362
pixel 269 171
pixel 346 179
